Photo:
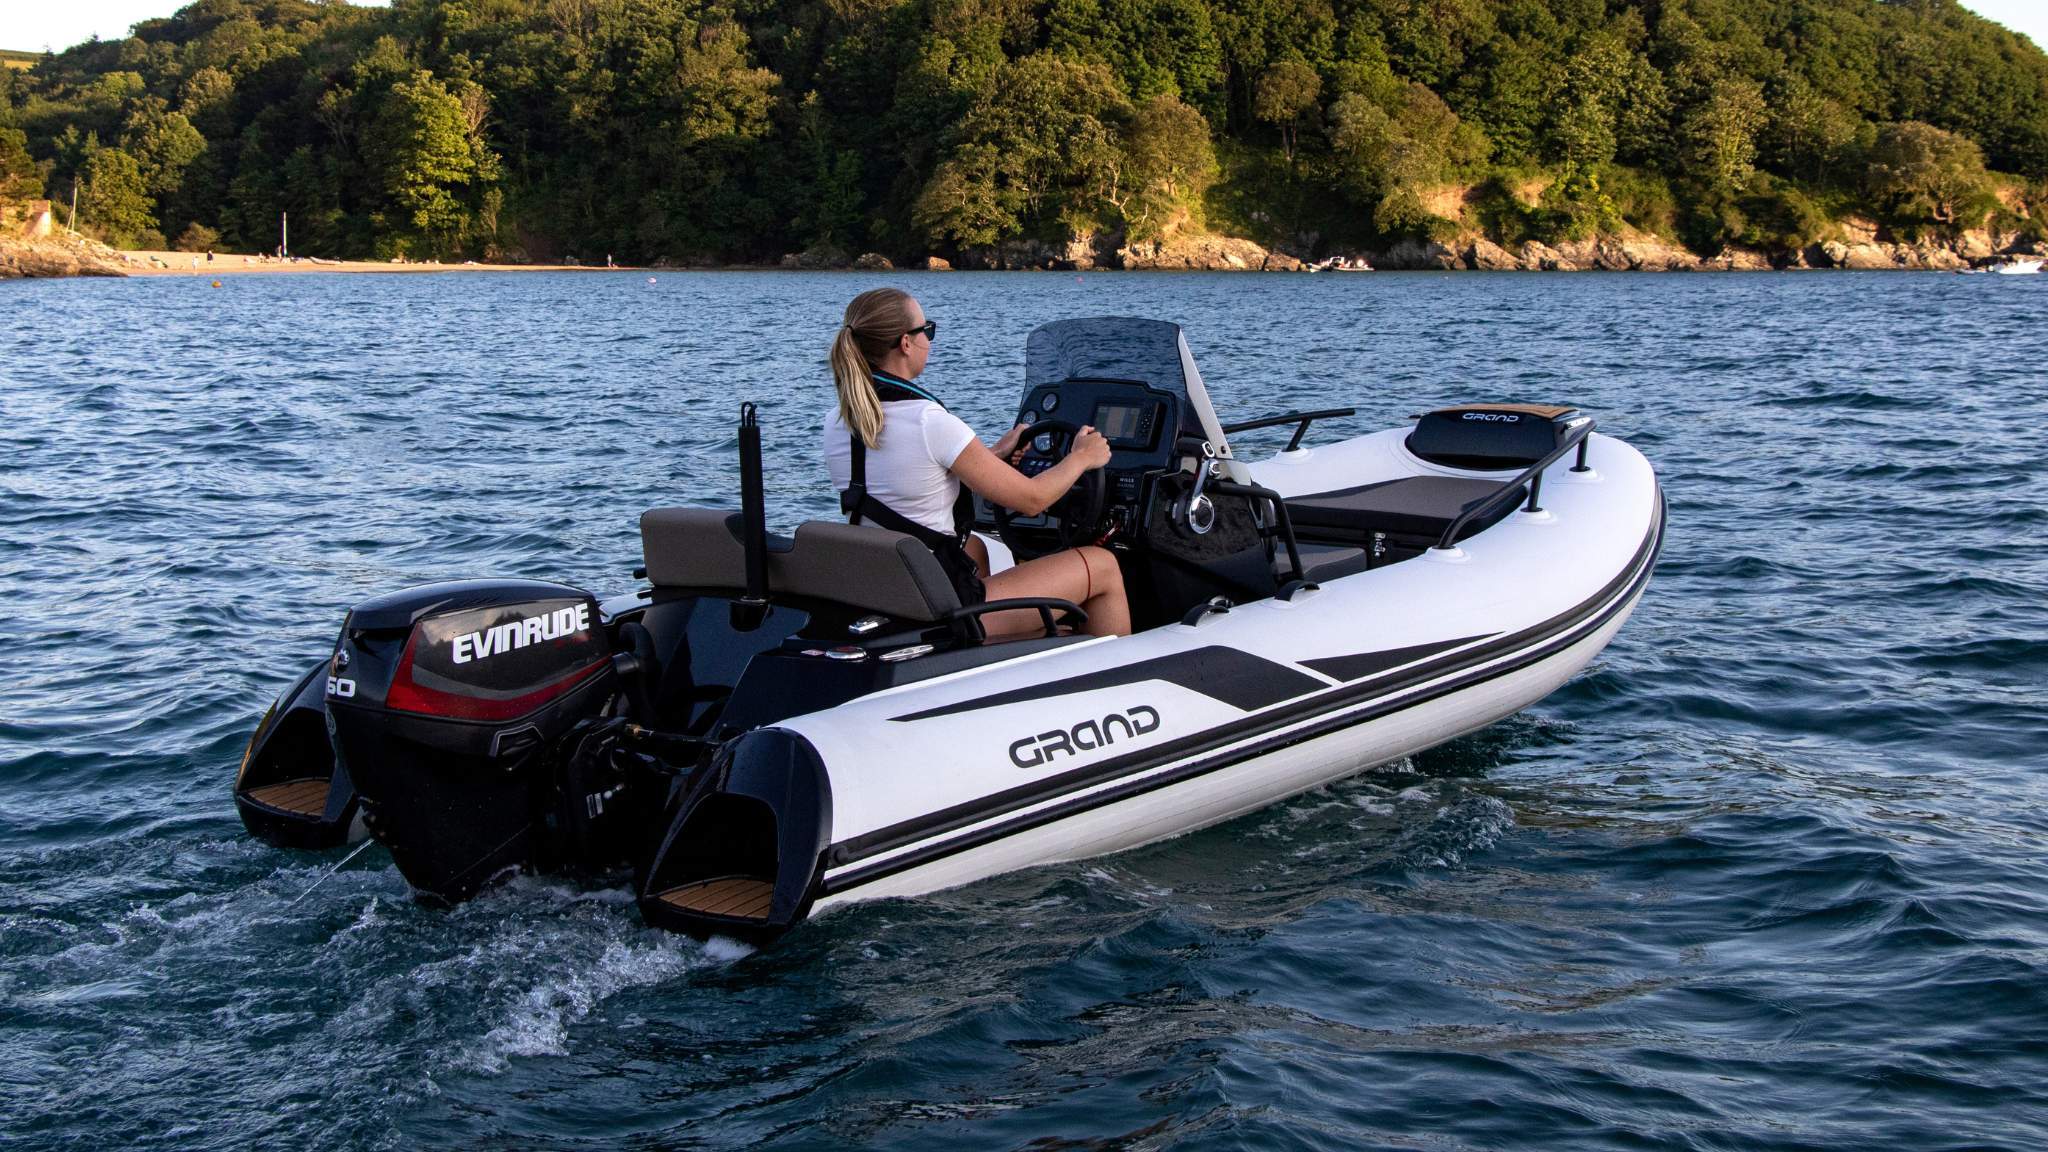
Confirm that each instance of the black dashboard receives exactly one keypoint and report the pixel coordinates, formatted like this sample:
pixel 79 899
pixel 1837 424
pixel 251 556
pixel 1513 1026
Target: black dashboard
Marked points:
pixel 1140 423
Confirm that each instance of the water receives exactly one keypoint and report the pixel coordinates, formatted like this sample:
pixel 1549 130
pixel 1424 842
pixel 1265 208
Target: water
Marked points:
pixel 1769 875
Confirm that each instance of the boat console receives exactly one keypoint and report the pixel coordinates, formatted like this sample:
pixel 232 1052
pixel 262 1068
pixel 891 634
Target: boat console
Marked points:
pixel 1172 505
pixel 1140 423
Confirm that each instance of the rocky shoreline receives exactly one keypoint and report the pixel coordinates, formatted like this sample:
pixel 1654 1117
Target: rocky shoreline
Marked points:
pixel 36 251
pixel 30 247
pixel 1858 249
pixel 1859 246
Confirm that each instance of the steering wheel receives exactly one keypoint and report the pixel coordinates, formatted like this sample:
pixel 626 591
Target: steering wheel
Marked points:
pixel 1079 512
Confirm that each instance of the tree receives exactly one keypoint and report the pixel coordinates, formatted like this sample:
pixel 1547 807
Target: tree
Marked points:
pixel 435 173
pixel 1920 172
pixel 722 96
pixel 964 203
pixel 20 179
pixel 1416 144
pixel 1155 47
pixel 198 238
pixel 1393 159
pixel 1808 133
pixel 1032 154
pixel 113 199
pixel 1720 136
pixel 1167 162
pixel 164 144
pixel 679 127
pixel 1583 132
pixel 1286 92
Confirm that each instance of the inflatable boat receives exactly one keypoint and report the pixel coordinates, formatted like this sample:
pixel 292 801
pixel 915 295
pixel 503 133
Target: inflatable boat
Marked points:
pixel 773 725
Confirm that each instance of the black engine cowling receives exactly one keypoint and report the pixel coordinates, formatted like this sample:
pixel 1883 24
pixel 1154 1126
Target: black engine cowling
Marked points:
pixel 445 702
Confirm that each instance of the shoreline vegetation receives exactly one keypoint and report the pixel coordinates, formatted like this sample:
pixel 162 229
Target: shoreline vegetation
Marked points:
pixel 1066 134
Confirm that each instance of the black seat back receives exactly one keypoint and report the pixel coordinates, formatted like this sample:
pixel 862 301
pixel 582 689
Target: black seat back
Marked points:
pixel 872 569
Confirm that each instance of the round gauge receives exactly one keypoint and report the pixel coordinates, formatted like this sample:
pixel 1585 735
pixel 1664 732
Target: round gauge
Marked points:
pixel 1043 442
pixel 1050 402
pixel 1030 417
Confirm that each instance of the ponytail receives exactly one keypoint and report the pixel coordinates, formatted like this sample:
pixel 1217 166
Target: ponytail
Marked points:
pixel 875 320
pixel 860 409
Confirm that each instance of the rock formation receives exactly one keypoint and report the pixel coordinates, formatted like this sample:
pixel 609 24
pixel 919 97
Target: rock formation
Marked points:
pixel 29 247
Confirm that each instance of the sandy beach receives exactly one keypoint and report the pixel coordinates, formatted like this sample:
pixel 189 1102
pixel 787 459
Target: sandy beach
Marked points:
pixel 148 263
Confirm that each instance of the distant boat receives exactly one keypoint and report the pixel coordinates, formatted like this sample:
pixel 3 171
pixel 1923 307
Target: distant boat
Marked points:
pixel 1340 264
pixel 2019 268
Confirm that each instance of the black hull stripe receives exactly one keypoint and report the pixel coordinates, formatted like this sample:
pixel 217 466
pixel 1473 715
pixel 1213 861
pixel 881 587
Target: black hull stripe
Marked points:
pixel 1618 594
pixel 1231 675
pixel 1360 665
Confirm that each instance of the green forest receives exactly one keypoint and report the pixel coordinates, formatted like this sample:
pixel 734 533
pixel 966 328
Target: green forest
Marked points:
pixel 741 130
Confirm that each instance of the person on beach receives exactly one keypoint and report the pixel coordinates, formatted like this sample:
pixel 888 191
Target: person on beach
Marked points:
pixel 916 456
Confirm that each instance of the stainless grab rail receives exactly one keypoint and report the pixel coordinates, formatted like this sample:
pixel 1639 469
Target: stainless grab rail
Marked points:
pixel 1581 428
pixel 1301 419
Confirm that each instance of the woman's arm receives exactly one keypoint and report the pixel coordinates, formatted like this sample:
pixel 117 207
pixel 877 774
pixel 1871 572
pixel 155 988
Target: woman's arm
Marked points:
pixel 993 478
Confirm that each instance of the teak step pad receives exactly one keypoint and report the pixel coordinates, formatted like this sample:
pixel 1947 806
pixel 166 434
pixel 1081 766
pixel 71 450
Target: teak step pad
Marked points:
pixel 742 897
pixel 306 797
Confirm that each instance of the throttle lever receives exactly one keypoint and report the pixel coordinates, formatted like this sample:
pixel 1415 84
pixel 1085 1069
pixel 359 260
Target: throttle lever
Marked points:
pixel 1198 512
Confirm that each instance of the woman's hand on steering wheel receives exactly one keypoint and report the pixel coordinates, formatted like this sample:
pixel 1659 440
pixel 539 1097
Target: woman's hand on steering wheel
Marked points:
pixel 1010 445
pixel 1078 511
pixel 1090 447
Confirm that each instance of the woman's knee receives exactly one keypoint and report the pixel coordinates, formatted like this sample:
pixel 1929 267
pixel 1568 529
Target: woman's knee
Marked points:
pixel 1103 570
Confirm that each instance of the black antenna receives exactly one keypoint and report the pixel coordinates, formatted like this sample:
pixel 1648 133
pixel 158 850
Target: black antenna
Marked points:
pixel 751 609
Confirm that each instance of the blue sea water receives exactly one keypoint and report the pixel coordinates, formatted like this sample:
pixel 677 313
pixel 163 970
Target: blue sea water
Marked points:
pixel 1768 875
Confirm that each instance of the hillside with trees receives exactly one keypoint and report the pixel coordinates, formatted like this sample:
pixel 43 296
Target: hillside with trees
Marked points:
pixel 741 130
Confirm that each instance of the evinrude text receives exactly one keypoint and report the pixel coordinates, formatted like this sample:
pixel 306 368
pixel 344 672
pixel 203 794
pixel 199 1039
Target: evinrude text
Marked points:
pixel 520 633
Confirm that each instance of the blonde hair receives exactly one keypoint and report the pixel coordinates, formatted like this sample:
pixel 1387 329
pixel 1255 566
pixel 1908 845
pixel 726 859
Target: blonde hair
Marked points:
pixel 875 321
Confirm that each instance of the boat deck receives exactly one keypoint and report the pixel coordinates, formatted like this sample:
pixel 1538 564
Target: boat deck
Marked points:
pixel 306 797
pixel 740 897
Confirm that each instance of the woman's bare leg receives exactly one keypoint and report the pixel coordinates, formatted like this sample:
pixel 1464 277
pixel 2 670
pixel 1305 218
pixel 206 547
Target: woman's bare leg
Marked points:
pixel 1088 576
pixel 977 552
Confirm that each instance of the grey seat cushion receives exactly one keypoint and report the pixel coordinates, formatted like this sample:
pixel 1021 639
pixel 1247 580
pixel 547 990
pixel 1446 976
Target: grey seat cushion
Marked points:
pixel 1323 561
pixel 1411 506
pixel 868 568
pixel 692 548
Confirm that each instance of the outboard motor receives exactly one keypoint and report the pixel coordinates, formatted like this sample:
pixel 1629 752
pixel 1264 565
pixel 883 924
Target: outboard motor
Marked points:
pixel 445 702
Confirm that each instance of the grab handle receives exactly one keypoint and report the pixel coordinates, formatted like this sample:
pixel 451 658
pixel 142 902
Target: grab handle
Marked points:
pixel 967 620
pixel 1579 430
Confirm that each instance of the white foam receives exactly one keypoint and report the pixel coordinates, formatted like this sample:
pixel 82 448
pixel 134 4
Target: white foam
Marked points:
pixel 540 1018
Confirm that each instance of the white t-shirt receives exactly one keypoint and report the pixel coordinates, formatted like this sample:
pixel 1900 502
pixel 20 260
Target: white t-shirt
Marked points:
pixel 907 470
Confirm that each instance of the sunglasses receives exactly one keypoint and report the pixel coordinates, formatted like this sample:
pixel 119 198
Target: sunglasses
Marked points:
pixel 930 328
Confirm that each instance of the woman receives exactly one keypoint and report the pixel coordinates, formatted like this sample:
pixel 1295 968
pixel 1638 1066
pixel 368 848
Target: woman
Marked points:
pixel 905 459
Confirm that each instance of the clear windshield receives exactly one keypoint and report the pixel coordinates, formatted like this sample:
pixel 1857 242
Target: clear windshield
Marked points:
pixel 1150 352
